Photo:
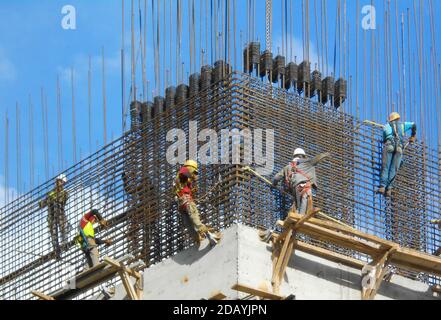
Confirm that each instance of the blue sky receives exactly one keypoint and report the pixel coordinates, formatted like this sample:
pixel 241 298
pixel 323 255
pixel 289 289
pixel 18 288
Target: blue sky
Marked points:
pixel 35 49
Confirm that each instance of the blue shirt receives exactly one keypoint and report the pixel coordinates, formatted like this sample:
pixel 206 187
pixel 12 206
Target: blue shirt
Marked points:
pixel 402 128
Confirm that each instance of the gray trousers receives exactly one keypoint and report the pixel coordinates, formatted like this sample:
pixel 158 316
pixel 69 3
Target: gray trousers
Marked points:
pixel 92 255
pixel 301 194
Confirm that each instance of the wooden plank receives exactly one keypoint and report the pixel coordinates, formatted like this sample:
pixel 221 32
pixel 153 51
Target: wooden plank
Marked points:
pixel 380 264
pixel 286 257
pixel 257 292
pixel 217 296
pixel 305 218
pixel 276 270
pixel 349 231
pixel 340 239
pixel 436 288
pixel 118 265
pixel 418 261
pixel 329 255
pixel 42 296
pixel 131 293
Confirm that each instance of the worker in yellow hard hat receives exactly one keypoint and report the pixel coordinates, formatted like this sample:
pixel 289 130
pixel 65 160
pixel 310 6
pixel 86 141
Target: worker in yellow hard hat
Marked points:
pixel 394 134
pixel 56 201
pixel 87 240
pixel 184 188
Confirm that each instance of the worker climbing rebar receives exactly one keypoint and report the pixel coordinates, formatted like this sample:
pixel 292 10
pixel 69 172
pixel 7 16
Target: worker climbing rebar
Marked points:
pixel 394 134
pixel 86 239
pixel 184 188
pixel 55 201
pixel 299 178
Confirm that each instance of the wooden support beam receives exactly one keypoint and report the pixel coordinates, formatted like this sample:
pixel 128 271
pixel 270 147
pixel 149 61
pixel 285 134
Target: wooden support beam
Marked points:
pixel 289 238
pixel 275 280
pixel 217 296
pixel 131 293
pixel 348 231
pixel 125 273
pixel 380 266
pixel 436 289
pixel 257 292
pixel 329 255
pixel 42 296
pixel 118 265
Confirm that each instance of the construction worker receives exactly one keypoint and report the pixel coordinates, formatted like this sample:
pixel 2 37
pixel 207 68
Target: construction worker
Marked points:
pixel 299 178
pixel 394 133
pixel 184 187
pixel 55 201
pixel 86 239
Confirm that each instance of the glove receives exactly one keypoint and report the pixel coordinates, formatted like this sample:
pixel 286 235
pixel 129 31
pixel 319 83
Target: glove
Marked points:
pixel 107 242
pixel 412 139
pixel 104 223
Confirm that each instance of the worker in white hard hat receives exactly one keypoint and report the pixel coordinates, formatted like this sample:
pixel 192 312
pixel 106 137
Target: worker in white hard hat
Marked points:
pixel 299 178
pixel 394 134
pixel 184 188
pixel 55 201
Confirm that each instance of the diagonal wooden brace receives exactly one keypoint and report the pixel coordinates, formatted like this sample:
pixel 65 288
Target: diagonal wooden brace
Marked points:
pixel 288 236
pixel 379 265
pixel 125 273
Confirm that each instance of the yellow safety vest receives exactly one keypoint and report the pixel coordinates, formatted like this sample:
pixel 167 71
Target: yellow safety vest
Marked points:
pixel 88 230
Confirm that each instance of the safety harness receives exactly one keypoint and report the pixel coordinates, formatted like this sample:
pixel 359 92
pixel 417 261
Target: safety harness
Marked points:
pixel 301 187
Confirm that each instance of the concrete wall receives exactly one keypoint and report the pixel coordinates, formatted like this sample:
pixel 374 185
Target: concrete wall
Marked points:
pixel 242 258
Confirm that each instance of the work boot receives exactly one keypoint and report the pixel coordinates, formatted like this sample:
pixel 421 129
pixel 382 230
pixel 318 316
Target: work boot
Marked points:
pixel 213 238
pixel 381 190
pixel 388 193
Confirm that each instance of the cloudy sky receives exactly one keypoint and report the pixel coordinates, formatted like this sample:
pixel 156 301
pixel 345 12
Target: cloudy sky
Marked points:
pixel 35 49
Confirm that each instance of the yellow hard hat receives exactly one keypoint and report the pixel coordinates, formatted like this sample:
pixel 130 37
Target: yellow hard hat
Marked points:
pixel 191 163
pixel 394 116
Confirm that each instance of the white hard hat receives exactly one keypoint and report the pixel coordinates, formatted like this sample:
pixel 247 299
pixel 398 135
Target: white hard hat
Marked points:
pixel 62 177
pixel 299 152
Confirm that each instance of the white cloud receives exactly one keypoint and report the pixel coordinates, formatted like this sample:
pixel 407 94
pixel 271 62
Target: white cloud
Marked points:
pixel 81 66
pixel 297 51
pixel 8 72
pixel 6 194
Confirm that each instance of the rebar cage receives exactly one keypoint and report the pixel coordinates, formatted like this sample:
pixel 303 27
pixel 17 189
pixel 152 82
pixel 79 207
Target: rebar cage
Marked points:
pixel 141 208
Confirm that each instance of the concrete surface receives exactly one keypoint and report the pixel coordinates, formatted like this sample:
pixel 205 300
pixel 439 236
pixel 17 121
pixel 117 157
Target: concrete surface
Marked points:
pixel 242 258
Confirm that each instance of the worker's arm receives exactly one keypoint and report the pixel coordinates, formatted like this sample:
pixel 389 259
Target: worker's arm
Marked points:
pixel 411 126
pixel 99 241
pixel 42 203
pixel 278 177
pixel 317 159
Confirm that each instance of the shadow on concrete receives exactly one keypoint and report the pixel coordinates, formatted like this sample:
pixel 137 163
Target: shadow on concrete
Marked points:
pixel 350 279
pixel 192 254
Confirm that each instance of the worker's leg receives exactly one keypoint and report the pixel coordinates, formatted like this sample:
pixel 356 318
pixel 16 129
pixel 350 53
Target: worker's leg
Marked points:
pixel 92 255
pixel 63 225
pixel 388 151
pixel 194 217
pixel 303 190
pixel 395 166
pixel 189 225
pixel 89 263
pixel 52 228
